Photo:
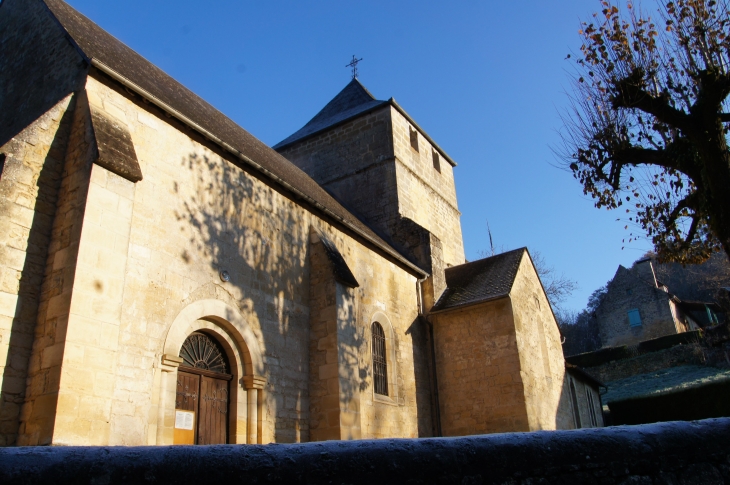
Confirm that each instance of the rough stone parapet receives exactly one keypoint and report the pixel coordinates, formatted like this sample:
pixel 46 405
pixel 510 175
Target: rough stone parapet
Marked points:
pixel 621 369
pixel 676 452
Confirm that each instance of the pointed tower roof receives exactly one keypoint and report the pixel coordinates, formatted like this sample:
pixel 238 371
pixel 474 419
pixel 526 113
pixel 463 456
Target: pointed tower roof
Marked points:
pixel 352 101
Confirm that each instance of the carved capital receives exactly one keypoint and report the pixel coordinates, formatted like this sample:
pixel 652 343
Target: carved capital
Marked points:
pixel 254 382
pixel 170 363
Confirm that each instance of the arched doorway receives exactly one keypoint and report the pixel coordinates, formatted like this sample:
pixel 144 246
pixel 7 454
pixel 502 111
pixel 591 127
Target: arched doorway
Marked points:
pixel 225 325
pixel 202 392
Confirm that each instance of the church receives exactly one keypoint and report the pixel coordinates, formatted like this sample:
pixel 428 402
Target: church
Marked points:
pixel 167 278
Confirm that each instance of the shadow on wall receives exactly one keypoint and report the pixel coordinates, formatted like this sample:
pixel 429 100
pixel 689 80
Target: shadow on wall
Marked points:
pixel 350 347
pixel 241 226
pixel 29 286
pixel 426 400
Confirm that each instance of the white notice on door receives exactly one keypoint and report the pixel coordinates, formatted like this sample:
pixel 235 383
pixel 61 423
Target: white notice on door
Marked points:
pixel 184 419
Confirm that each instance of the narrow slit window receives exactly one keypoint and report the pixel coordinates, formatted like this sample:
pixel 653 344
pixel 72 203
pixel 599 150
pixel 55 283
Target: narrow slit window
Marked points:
pixel 591 408
pixel 414 138
pixel 574 400
pixel 634 318
pixel 380 364
pixel 436 161
pixel 2 164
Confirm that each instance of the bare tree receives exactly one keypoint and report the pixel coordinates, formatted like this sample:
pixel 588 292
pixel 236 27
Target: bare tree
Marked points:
pixel 647 130
pixel 558 287
pixel 701 282
pixel 580 329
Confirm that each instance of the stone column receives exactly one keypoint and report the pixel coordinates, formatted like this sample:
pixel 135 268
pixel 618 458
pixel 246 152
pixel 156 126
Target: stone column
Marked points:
pixel 254 393
pixel 166 406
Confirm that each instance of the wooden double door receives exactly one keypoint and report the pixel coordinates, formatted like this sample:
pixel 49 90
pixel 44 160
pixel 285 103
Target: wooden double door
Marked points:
pixel 201 407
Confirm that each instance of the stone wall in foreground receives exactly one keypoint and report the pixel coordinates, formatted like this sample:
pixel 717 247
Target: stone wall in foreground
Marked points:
pixel 676 452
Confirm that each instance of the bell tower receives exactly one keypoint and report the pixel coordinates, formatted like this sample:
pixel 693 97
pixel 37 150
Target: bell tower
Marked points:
pixel 374 158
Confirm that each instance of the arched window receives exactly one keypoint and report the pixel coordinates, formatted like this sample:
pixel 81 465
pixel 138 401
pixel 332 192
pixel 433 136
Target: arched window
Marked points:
pixel 380 363
pixel 202 352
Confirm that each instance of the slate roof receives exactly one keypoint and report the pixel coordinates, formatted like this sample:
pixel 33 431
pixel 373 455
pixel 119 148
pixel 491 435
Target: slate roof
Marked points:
pixel 351 102
pixel 114 58
pixel 663 381
pixel 339 265
pixel 478 281
pixel 583 375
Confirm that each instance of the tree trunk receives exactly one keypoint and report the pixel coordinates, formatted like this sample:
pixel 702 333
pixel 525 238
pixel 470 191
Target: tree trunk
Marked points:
pixel 716 179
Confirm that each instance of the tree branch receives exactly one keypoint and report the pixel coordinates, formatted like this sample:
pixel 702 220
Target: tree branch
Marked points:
pixel 714 88
pixel 632 95
pixel 687 203
pixel 692 230
pixel 638 155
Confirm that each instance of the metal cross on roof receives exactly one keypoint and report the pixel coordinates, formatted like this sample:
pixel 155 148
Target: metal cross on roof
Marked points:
pixel 353 65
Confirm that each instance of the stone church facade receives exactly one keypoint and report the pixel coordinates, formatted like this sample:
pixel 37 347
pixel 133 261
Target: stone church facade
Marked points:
pixel 168 278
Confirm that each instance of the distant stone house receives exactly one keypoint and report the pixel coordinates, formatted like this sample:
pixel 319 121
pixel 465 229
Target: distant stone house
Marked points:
pixel 638 307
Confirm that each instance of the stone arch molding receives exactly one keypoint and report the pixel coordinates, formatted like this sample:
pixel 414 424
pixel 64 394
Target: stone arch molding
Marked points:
pixel 383 320
pixel 233 332
pixel 227 323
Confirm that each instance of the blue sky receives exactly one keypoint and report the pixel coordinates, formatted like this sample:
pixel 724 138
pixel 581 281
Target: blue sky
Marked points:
pixel 486 80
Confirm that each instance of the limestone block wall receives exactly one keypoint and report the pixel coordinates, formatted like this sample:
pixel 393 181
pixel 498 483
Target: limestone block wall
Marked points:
pixel 39 412
pixel 324 384
pixel 353 161
pixel 148 251
pixel 343 402
pixel 194 215
pixel 86 351
pixel 426 195
pixel 388 295
pixel 90 371
pixel 390 300
pixel 44 67
pixel 29 185
pixel 345 149
pixel 323 398
pixel 36 107
pixel 542 365
pixel 481 387
pixel 629 291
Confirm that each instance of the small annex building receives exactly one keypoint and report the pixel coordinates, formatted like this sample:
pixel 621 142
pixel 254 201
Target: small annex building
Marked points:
pixel 495 312
pixel 166 278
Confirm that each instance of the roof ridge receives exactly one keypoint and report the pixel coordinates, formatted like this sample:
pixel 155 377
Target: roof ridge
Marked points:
pixel 479 281
pixel 120 62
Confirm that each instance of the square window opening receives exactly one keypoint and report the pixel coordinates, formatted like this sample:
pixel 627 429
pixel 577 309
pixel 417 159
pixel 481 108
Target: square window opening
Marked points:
pixel 634 318
pixel 436 160
pixel 414 138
